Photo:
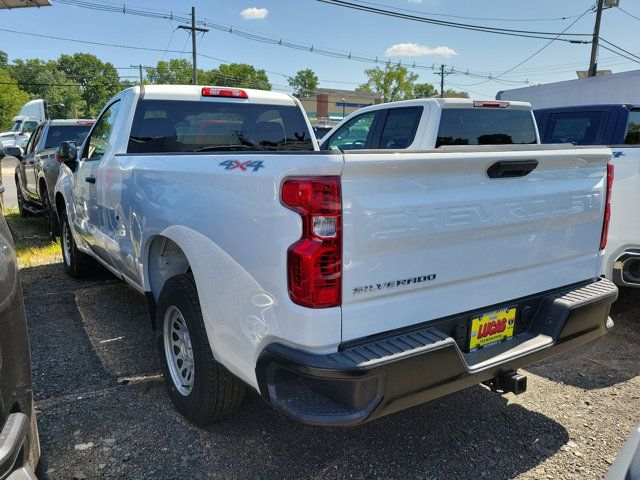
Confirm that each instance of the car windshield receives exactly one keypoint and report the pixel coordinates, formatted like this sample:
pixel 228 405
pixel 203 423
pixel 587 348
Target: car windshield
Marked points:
pixel 485 126
pixel 164 126
pixel 66 133
pixel 16 126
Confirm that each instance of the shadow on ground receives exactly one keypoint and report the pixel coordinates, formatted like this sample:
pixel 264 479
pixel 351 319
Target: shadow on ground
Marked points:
pixel 95 374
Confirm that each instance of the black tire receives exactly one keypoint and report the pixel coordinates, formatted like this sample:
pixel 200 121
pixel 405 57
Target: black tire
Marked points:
pixel 76 264
pixel 23 211
pixel 215 393
pixel 50 216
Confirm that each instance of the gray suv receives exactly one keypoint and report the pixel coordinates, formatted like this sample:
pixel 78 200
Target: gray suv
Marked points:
pixel 37 169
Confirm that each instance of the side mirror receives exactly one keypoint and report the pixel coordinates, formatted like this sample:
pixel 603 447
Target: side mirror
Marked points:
pixel 2 154
pixel 16 151
pixel 67 153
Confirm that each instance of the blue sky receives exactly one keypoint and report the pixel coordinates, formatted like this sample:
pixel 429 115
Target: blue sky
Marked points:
pixel 335 28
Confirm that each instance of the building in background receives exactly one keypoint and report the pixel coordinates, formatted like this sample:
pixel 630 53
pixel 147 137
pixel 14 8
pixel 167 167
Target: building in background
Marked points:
pixel 329 105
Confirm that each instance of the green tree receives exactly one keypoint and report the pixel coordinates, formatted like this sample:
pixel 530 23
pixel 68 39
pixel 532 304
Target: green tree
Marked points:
pixel 26 71
pixel 99 80
pixel 64 97
pixel 451 93
pixel 173 72
pixel 394 83
pixel 45 80
pixel 304 84
pixel 237 75
pixel 11 100
pixel 4 59
pixel 424 90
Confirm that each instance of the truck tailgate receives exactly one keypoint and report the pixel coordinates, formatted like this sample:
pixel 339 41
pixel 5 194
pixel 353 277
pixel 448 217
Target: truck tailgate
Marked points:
pixel 430 234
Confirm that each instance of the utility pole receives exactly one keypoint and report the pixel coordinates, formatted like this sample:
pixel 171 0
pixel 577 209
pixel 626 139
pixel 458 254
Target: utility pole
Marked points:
pixel 193 29
pixel 442 74
pixel 140 67
pixel 593 66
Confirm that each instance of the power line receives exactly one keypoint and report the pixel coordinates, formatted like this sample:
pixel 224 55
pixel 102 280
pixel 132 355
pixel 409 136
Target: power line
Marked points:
pixel 539 50
pixel 312 48
pixel 624 11
pixel 618 53
pixel 464 26
pixel 473 18
pixel 620 48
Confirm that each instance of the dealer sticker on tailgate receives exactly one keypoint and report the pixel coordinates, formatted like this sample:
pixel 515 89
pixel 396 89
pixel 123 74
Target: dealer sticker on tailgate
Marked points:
pixel 492 327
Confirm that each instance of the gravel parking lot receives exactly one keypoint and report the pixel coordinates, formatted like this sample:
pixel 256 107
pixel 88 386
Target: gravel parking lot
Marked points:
pixel 103 412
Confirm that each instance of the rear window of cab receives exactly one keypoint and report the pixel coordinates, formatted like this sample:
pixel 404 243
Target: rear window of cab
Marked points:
pixel 485 126
pixel 172 126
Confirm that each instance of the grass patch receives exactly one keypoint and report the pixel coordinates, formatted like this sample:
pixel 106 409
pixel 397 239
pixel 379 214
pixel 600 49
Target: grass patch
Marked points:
pixel 33 256
pixel 33 244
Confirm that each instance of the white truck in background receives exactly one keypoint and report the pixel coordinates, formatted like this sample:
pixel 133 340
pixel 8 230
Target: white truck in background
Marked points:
pixel 428 246
pixel 620 88
pixel 31 115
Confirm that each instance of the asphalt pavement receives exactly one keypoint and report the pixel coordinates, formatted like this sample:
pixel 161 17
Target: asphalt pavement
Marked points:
pixel 103 412
pixel 8 166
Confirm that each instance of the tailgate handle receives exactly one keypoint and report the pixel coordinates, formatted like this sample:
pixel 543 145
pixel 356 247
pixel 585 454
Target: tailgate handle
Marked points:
pixel 511 168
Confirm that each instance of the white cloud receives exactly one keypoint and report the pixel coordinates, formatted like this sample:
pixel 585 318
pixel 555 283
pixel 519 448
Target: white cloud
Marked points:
pixel 413 49
pixel 415 1
pixel 254 13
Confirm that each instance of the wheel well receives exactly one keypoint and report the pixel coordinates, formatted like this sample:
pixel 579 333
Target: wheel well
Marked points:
pixel 42 187
pixel 60 205
pixel 165 260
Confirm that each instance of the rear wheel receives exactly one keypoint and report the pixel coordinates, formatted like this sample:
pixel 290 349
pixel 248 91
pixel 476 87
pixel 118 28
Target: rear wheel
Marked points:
pixel 200 388
pixel 76 263
pixel 23 211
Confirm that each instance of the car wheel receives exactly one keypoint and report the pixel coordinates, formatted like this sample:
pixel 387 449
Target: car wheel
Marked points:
pixel 23 211
pixel 200 388
pixel 50 216
pixel 76 263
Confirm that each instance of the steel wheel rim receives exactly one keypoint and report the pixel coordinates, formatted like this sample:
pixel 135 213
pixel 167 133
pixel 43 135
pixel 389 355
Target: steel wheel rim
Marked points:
pixel 66 244
pixel 178 350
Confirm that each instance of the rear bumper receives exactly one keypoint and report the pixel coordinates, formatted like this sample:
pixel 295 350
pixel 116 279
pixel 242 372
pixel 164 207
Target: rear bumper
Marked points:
pixel 380 376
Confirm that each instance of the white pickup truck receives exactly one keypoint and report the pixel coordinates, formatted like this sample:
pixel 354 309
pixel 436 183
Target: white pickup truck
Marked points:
pixel 341 284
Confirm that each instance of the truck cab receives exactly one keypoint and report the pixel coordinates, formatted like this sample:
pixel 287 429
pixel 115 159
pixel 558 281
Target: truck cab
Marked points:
pixel 31 114
pixel 618 126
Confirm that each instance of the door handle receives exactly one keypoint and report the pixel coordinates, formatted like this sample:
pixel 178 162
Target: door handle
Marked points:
pixel 90 179
pixel 511 168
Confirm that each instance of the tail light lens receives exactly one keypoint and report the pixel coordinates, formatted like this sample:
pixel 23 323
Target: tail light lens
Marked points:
pixel 607 207
pixel 314 263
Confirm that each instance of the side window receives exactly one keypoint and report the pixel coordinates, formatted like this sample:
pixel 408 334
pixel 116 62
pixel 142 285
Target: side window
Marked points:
pixel 400 127
pixel 33 140
pixel 579 128
pixel 632 136
pixel 353 135
pixel 29 127
pixel 99 136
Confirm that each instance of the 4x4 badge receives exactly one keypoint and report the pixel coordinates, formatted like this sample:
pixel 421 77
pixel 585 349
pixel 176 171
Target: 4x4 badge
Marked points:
pixel 244 166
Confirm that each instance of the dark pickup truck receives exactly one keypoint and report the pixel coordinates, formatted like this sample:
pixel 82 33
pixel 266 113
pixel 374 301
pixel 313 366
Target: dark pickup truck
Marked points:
pixel 37 169
pixel 617 126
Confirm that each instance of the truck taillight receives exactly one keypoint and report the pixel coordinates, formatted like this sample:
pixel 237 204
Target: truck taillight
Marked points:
pixel 224 92
pixel 490 104
pixel 314 263
pixel 607 207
